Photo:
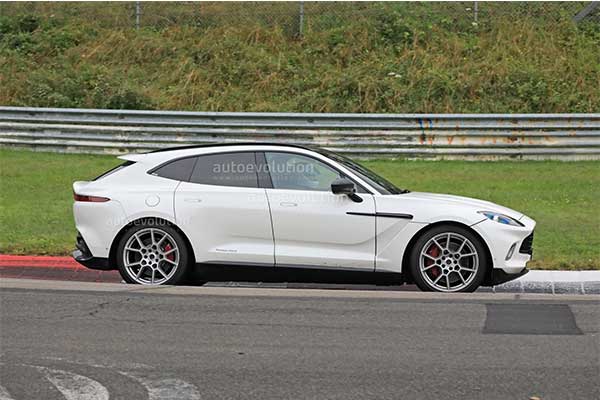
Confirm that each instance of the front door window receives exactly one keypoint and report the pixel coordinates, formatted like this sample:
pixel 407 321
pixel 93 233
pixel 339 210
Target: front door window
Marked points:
pixel 297 172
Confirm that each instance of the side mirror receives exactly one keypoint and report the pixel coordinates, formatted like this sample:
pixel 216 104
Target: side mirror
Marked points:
pixel 347 187
pixel 343 186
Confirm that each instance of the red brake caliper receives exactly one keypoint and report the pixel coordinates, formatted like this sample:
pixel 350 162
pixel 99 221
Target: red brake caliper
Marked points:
pixel 170 256
pixel 433 251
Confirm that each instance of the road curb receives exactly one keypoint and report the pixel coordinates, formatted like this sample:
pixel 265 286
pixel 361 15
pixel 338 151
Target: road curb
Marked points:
pixel 9 260
pixel 554 282
pixel 536 281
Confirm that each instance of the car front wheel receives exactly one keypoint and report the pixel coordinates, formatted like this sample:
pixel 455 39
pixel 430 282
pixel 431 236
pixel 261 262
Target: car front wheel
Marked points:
pixel 152 254
pixel 448 258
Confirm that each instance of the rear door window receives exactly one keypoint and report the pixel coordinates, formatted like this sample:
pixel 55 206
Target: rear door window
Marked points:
pixel 226 169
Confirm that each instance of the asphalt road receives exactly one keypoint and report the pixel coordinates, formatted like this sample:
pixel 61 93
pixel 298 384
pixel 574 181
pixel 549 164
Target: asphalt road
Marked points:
pixel 94 341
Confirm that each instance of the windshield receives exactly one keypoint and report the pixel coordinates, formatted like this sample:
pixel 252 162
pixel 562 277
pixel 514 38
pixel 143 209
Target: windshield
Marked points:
pixel 381 184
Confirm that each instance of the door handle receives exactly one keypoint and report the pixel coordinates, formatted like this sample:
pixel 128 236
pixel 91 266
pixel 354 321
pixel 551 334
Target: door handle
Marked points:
pixel 288 204
pixel 192 200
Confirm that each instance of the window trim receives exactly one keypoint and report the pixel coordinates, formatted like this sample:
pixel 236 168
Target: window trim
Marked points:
pixel 265 181
pixel 260 158
pixel 152 170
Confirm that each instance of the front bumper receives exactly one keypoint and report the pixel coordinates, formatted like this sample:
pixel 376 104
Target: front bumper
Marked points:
pixel 501 238
pixel 499 277
pixel 84 257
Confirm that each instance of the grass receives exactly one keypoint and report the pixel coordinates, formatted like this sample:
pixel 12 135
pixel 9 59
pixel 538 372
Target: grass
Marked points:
pixel 561 196
pixel 36 199
pixel 404 58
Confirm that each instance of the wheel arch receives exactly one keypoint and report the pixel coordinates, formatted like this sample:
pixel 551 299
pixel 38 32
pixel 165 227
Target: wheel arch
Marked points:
pixel 112 254
pixel 406 255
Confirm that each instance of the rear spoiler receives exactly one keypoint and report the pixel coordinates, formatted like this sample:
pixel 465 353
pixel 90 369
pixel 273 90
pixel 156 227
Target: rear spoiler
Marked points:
pixel 132 157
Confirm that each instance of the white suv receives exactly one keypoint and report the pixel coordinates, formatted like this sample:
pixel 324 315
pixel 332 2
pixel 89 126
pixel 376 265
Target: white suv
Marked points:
pixel 281 208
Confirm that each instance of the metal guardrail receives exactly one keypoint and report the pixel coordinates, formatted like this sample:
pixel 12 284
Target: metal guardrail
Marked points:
pixel 449 136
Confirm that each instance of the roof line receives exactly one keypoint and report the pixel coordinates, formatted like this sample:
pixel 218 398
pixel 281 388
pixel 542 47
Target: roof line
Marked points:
pixel 199 146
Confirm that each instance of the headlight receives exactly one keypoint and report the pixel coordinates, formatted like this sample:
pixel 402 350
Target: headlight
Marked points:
pixel 501 218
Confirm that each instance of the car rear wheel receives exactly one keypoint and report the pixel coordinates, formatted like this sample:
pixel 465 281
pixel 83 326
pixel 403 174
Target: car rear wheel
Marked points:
pixel 152 254
pixel 448 258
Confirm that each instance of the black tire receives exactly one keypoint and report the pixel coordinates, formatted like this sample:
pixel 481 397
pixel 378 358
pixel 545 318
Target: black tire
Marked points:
pixel 182 267
pixel 425 284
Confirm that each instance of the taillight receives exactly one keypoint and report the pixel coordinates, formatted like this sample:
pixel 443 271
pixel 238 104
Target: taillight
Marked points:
pixel 93 199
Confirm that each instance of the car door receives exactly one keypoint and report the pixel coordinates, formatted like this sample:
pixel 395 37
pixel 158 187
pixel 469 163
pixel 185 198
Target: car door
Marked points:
pixel 225 211
pixel 311 225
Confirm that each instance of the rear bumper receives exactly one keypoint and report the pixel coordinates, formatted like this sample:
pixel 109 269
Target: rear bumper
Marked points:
pixel 84 256
pixel 99 223
pixel 91 262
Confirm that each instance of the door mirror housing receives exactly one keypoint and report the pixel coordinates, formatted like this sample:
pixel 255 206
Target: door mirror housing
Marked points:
pixel 347 187
pixel 343 186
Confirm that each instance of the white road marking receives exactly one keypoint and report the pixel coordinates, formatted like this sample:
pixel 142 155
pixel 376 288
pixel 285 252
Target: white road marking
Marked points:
pixel 134 365
pixel 161 388
pixel 166 389
pixel 78 387
pixel 4 394
pixel 74 386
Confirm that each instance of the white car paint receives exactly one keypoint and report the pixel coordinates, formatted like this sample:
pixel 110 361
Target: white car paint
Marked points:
pixel 225 223
pixel 312 228
pixel 283 227
pixel 429 208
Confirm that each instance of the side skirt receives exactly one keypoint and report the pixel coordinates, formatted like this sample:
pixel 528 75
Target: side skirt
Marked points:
pixel 304 274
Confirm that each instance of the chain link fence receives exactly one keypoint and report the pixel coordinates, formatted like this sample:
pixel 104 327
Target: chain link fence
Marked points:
pixel 294 18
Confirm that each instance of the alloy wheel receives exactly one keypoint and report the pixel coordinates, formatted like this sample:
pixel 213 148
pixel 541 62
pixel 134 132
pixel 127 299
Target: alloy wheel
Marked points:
pixel 151 256
pixel 448 262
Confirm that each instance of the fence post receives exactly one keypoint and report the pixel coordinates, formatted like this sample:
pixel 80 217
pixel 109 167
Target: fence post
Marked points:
pixel 138 13
pixel 301 20
pixel 475 11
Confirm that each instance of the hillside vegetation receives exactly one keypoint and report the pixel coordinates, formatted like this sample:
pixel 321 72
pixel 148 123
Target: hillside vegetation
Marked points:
pixel 388 60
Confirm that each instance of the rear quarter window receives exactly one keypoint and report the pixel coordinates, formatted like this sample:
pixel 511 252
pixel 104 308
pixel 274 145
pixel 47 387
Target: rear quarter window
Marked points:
pixel 180 170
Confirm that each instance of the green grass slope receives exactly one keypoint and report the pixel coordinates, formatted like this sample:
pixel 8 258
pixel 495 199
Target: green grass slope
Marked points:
pixel 408 57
